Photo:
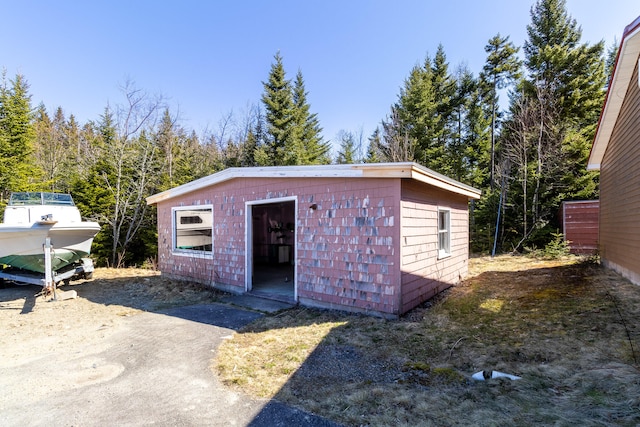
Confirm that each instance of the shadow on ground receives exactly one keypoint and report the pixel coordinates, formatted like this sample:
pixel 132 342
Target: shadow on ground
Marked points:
pixel 571 332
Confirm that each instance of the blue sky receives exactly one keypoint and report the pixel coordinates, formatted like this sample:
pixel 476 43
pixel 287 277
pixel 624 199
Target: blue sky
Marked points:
pixel 209 58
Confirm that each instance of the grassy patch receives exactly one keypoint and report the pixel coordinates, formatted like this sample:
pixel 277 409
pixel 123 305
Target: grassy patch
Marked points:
pixel 569 329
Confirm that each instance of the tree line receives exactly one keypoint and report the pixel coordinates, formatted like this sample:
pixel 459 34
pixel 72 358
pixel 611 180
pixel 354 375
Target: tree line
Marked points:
pixel 527 158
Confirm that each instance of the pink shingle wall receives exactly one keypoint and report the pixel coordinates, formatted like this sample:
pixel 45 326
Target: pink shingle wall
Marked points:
pixel 423 273
pixel 347 249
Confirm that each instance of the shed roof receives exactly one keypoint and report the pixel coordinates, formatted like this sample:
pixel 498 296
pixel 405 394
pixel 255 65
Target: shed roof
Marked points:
pixel 367 170
pixel 626 61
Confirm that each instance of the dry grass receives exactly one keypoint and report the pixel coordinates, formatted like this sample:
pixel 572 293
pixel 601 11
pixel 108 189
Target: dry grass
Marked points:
pixel 571 330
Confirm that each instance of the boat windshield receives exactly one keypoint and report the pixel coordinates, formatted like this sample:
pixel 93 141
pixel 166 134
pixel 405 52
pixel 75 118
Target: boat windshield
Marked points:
pixel 40 198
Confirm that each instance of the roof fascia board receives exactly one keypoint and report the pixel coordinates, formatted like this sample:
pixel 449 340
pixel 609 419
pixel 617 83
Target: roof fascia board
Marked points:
pixel 367 170
pixel 626 62
pixel 440 181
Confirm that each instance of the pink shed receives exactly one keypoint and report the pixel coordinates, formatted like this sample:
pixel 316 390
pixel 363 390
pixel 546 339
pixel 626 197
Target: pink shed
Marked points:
pixel 372 238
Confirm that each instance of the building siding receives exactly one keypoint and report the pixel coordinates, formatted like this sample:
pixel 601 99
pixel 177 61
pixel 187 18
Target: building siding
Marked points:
pixel 423 274
pixel 620 190
pixel 346 248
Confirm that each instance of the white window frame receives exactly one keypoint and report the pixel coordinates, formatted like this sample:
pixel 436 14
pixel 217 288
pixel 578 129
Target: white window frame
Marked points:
pixel 444 250
pixel 174 238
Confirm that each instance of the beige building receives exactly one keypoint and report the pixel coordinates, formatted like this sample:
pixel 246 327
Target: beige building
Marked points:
pixel 616 153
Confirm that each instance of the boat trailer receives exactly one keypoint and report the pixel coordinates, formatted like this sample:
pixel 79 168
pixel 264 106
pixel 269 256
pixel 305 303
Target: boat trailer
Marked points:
pixel 50 279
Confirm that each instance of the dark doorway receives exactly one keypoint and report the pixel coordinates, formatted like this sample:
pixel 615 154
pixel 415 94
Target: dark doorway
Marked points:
pixel 273 250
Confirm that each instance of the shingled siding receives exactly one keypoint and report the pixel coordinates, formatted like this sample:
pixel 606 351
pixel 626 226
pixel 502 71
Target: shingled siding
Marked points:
pixel 423 274
pixel 225 267
pixel 346 248
pixel 620 190
pixel 347 254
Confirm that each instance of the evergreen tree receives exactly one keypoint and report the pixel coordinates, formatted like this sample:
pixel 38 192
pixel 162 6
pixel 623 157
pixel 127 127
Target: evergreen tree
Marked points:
pixel 254 137
pixel 74 162
pixel 463 129
pixel 167 141
pixel 307 148
pixel 373 151
pixel 278 101
pixel 91 191
pixel 252 143
pixel 502 68
pixel 54 153
pixel 555 59
pixel 423 123
pixel 414 115
pixel 17 138
pixel 612 55
pixel 348 153
pixel 444 85
pixel 553 119
pixel 293 133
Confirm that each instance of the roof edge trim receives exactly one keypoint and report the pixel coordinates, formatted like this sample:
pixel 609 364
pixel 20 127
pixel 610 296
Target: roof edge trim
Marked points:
pixel 408 170
pixel 619 83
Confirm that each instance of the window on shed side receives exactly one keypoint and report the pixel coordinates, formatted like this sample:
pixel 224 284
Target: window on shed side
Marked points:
pixel 192 229
pixel 444 233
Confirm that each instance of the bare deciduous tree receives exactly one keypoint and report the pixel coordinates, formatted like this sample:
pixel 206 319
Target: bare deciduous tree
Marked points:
pixel 532 148
pixel 396 145
pixel 131 156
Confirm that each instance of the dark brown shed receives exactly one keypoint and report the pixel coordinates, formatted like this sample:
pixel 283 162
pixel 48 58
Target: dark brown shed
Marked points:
pixel 580 225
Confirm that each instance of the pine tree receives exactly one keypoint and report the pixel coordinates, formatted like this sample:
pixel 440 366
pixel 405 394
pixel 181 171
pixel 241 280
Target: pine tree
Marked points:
pixel 422 122
pixel 468 150
pixel 254 138
pixel 553 119
pixel 293 134
pixel 17 138
pixel 445 93
pixel 307 145
pixel 612 55
pixel 373 150
pixel 55 150
pixel 502 68
pixel 278 101
pixel 348 153
pixel 414 114
pixel 556 60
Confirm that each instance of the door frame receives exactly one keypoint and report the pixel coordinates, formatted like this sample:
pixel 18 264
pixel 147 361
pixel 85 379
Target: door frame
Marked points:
pixel 248 240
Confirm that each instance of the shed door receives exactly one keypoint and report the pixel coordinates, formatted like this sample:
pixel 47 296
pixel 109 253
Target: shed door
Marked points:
pixel 271 247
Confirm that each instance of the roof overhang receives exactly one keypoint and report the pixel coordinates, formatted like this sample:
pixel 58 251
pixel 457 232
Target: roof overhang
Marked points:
pixel 367 170
pixel 626 61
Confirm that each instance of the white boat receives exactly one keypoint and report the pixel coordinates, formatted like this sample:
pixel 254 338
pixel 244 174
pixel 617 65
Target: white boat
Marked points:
pixel 32 218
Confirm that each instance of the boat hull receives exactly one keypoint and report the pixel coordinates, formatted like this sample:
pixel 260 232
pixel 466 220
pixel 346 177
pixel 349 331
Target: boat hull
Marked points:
pixel 22 246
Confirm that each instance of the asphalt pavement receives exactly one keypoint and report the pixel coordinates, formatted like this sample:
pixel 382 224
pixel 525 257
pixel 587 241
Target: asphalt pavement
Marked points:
pixel 153 371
